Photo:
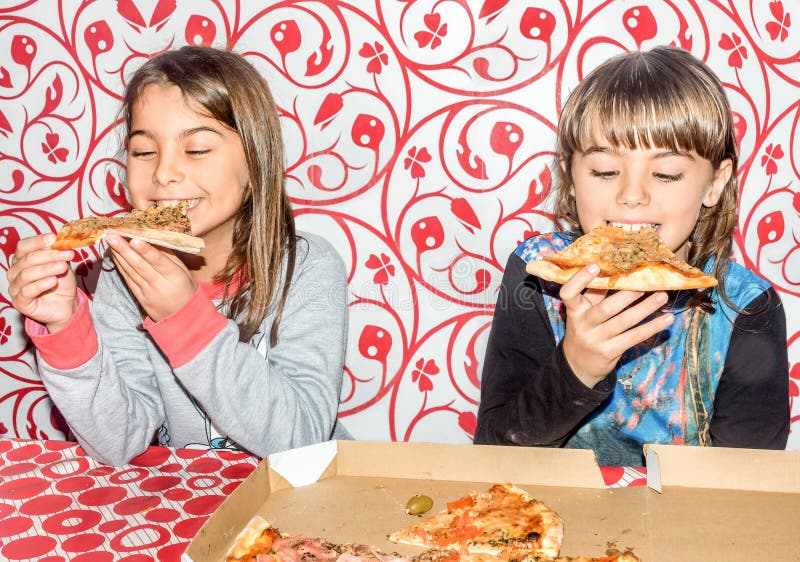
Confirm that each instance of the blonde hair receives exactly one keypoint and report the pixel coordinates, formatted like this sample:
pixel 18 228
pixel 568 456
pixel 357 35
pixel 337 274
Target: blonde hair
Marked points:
pixel 233 92
pixel 661 98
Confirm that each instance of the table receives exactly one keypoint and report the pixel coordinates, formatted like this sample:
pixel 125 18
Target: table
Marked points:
pixel 59 504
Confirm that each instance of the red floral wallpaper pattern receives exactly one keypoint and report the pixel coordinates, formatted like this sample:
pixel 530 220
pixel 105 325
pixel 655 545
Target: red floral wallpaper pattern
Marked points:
pixel 418 134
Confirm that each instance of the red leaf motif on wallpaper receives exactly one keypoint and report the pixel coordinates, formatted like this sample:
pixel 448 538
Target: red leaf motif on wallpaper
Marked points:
pixel 640 23
pixel 491 9
pixel 51 148
pixel 739 126
pixel 98 38
pixel 384 268
pixel 23 49
pixel 84 263
pixel 796 201
pixel 375 343
pixel 5 78
pixel 17 179
pixel 5 126
pixel 200 31
pixel 116 191
pixel 464 212
pixel 770 158
pixel 779 27
pixel 468 421
pixel 506 138
pixel 415 160
pixel 538 191
pixel 427 234
pixel 321 58
pixel 285 36
pixel 424 370
pixel 770 228
pixel 377 58
pixel 9 238
pixel 164 10
pixel 367 131
pixel 330 108
pixel 53 96
pixel 435 32
pixel 733 43
pixel 5 331
pixel 128 10
pixel 470 163
pixel 537 24
pixel 3 429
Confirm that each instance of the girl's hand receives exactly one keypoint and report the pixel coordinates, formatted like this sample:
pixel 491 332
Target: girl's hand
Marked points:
pixel 41 283
pixel 600 327
pixel 157 278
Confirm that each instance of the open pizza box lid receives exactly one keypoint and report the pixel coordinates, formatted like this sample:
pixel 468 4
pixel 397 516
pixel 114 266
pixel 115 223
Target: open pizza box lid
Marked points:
pixel 356 491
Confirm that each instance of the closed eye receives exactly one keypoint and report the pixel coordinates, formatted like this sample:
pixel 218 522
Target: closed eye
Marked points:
pixel 604 175
pixel 141 153
pixel 196 153
pixel 668 177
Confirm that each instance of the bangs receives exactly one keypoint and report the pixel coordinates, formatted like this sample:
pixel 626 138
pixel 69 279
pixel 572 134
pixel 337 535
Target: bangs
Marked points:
pixel 632 108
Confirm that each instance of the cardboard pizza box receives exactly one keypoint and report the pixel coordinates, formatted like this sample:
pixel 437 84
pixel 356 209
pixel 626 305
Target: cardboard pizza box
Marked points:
pixel 713 504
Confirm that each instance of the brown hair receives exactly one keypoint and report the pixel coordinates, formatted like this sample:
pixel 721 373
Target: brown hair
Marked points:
pixel 661 98
pixel 233 92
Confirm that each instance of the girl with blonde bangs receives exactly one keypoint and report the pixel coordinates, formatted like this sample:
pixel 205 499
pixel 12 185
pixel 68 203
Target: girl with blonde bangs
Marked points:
pixel 645 140
pixel 241 346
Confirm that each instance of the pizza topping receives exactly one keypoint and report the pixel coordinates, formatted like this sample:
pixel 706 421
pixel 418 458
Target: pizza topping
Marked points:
pixel 418 505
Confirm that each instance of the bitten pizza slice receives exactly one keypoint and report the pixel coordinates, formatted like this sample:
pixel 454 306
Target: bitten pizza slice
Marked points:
pixel 161 225
pixel 634 260
pixel 502 518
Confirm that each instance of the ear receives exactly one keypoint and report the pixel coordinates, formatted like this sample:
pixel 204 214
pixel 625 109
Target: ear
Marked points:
pixel 562 161
pixel 721 177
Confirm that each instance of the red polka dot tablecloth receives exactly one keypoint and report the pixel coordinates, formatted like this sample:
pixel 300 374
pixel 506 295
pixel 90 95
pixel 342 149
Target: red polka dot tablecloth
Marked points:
pixel 58 504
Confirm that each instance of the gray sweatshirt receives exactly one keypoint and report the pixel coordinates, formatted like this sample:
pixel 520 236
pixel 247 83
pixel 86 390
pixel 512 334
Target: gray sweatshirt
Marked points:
pixel 230 394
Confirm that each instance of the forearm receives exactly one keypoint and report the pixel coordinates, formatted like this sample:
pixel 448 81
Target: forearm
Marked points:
pixel 529 394
pixel 751 406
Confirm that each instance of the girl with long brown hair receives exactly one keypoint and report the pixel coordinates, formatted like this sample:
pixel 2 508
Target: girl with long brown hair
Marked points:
pixel 241 346
pixel 645 140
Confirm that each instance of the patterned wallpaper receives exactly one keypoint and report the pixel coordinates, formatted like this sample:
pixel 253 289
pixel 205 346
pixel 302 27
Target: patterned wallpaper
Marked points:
pixel 419 135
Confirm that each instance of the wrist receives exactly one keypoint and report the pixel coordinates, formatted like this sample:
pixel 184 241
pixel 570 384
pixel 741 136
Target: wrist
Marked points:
pixel 57 326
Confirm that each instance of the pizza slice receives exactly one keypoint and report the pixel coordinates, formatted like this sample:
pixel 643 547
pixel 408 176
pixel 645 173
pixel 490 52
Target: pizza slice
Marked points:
pixel 434 555
pixel 502 519
pixel 628 260
pixel 161 225
pixel 261 542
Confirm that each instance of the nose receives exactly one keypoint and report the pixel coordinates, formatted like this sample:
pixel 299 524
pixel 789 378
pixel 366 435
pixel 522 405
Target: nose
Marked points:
pixel 167 171
pixel 632 193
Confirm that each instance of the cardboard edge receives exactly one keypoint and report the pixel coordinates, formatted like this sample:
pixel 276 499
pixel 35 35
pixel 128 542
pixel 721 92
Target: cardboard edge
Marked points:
pixel 723 468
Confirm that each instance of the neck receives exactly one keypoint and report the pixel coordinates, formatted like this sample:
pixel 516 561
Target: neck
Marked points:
pixel 211 260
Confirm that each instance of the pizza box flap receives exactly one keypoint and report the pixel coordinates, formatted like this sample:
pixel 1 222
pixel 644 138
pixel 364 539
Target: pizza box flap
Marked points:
pixel 308 468
pixel 723 468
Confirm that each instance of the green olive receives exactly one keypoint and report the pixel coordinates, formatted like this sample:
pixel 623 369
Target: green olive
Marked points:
pixel 418 505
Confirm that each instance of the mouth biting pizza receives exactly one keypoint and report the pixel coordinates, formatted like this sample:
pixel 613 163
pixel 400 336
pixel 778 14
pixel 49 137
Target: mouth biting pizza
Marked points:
pixel 161 225
pixel 632 260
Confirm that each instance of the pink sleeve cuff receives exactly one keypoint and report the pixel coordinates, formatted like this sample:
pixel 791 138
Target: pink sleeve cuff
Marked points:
pixel 183 334
pixel 70 347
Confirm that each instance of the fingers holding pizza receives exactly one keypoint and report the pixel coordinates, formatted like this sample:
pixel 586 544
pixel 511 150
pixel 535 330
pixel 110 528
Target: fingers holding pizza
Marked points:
pixel 599 326
pixel 158 279
pixel 41 283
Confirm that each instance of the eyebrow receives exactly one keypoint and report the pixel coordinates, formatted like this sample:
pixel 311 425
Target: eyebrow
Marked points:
pixel 184 134
pixel 595 149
